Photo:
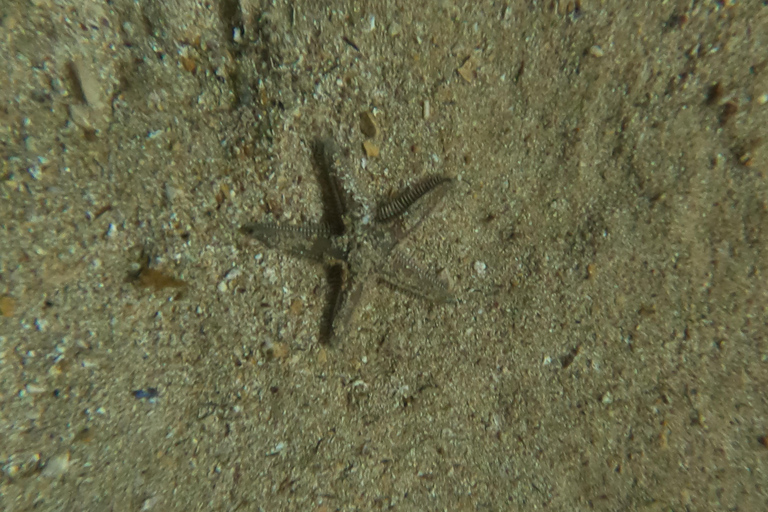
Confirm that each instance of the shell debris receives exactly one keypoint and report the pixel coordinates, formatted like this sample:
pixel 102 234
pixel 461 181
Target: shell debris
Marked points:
pixel 467 70
pixel 368 125
pixel 89 84
pixel 371 149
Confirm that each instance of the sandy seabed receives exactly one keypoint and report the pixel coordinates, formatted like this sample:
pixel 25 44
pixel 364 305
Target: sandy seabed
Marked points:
pixel 606 241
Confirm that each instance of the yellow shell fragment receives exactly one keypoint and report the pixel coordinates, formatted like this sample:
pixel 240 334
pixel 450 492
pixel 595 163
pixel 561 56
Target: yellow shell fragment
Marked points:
pixel 371 149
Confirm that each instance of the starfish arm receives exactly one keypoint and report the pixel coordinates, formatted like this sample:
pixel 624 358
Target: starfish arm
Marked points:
pixel 336 199
pixel 405 199
pixel 404 274
pixel 394 213
pixel 313 241
pixel 344 295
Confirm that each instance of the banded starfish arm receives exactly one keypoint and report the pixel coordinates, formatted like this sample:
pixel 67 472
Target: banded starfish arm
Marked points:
pixel 311 241
pixel 402 202
pixel 336 200
pixel 402 214
pixel 343 297
pixel 404 274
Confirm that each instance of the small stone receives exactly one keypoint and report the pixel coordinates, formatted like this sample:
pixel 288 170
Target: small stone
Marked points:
pixel 274 350
pixel 278 448
pixel 426 110
pixel 229 276
pixel 86 435
pixel 149 277
pixel 296 306
pixel 35 172
pixel 232 274
pixel 188 64
pixel 41 324
pixel 7 306
pixel 81 116
pixel 270 274
pixel 395 29
pixel 150 503
pixel 596 51
pixel 34 389
pixel 371 149
pixel 56 466
pixel 89 84
pixel 445 277
pixel 480 268
pixel 762 99
pixel 467 70
pixel 368 125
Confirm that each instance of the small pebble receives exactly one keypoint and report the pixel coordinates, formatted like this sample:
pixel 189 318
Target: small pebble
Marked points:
pixel 128 28
pixel 480 268
pixel 90 84
pixel 188 63
pixel 467 70
pixel 762 99
pixel 596 51
pixel 56 466
pixel 445 277
pixel 148 393
pixel 35 172
pixel 81 116
pixel 274 350
pixel 7 306
pixel 232 274
pixel 296 306
pixel 371 149
pixel 150 503
pixel 368 125
pixel 229 276
pixel 34 389
pixel 278 448
pixel 41 324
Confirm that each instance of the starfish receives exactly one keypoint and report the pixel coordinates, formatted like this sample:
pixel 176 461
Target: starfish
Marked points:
pixel 355 244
